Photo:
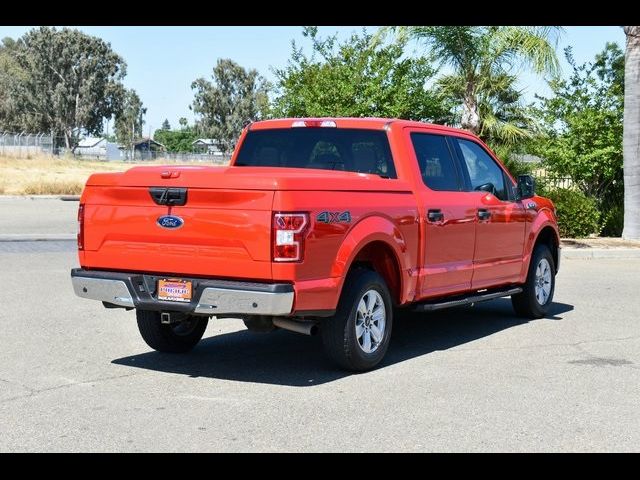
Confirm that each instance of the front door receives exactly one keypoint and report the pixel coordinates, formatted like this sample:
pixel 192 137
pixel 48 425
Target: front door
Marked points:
pixel 447 218
pixel 500 230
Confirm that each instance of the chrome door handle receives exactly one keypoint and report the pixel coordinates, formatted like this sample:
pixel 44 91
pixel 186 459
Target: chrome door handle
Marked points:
pixel 435 215
pixel 484 214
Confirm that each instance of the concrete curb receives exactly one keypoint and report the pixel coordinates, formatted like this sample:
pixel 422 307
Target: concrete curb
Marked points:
pixel 72 198
pixel 596 253
pixel 36 237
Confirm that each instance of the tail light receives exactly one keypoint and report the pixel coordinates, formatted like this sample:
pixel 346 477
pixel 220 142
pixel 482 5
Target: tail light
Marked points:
pixel 289 230
pixel 81 227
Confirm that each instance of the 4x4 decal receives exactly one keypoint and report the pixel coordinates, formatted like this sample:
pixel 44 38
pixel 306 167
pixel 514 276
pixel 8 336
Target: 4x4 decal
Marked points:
pixel 334 217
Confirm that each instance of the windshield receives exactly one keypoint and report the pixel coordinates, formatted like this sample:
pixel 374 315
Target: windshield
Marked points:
pixel 348 149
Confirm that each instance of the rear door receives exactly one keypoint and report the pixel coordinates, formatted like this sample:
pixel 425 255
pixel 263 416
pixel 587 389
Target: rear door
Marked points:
pixel 447 217
pixel 501 219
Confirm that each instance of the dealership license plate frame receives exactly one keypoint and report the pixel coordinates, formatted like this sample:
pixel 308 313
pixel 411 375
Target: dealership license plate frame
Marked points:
pixel 182 290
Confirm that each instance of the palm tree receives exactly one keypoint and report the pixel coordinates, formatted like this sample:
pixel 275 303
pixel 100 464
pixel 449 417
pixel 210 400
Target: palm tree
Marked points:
pixel 504 119
pixel 631 135
pixel 478 54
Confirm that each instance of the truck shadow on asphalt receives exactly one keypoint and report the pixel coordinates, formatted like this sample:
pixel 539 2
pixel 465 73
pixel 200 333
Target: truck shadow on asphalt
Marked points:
pixel 286 358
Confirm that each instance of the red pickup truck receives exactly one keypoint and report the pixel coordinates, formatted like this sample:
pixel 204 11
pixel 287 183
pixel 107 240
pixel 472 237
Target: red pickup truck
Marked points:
pixel 317 225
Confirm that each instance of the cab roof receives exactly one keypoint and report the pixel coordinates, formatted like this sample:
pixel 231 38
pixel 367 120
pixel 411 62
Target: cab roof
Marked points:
pixel 373 123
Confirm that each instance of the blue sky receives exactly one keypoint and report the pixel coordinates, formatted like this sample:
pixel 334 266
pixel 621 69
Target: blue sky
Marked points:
pixel 163 61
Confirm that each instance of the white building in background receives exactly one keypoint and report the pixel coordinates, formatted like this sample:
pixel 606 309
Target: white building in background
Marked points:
pixel 98 148
pixel 206 145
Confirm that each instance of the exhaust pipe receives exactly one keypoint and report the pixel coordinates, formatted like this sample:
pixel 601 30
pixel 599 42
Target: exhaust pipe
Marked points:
pixel 306 328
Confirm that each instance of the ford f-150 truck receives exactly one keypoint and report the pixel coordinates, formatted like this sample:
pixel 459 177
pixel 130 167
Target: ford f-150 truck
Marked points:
pixel 322 225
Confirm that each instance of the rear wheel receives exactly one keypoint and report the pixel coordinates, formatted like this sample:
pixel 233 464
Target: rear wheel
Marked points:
pixel 537 294
pixel 357 336
pixel 178 337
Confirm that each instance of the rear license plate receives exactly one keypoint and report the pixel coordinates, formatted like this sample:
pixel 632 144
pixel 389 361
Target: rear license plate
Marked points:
pixel 174 290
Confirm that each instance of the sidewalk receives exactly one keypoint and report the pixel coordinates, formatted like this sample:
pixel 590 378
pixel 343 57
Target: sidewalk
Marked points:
pixel 600 248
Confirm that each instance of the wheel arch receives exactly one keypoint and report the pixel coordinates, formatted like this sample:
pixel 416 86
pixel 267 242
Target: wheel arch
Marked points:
pixel 543 231
pixel 380 257
pixel 376 243
pixel 548 236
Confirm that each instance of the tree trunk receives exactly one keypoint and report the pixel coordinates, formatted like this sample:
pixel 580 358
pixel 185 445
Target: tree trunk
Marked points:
pixel 133 139
pixel 470 116
pixel 631 137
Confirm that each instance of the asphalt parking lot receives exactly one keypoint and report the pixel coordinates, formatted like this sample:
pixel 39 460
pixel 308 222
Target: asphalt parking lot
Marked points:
pixel 77 377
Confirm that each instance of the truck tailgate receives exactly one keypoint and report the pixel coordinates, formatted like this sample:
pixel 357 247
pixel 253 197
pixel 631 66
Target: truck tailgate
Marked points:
pixel 226 232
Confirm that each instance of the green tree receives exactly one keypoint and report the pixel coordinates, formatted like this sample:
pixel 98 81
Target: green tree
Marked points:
pixel 68 82
pixel 632 135
pixel 355 78
pixel 481 58
pixel 583 126
pixel 166 125
pixel 224 105
pixel 129 121
pixel 10 72
pixel 177 140
pixel 183 122
pixel 506 121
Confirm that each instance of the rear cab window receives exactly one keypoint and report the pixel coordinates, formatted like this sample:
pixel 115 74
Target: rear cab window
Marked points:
pixel 346 149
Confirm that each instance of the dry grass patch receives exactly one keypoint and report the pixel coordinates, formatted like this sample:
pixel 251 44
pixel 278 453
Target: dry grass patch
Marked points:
pixel 53 188
pixel 46 175
pixel 50 175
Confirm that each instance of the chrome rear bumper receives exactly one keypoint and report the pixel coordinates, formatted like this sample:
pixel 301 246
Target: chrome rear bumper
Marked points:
pixel 105 290
pixel 210 296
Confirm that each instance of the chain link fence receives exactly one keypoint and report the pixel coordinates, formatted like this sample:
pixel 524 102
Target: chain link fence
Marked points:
pixel 553 181
pixel 174 157
pixel 24 145
pixel 29 145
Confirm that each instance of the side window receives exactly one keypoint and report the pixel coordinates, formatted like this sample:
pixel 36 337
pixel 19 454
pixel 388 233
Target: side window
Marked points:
pixel 484 172
pixel 435 161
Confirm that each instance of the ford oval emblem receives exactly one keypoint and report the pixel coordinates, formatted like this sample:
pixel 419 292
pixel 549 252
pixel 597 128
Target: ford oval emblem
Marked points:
pixel 170 221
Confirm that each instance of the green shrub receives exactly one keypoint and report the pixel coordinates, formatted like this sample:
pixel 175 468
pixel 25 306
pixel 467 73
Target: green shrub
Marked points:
pixel 578 215
pixel 612 219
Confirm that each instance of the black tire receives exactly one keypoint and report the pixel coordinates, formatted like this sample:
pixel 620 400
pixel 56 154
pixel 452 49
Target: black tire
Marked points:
pixel 170 338
pixel 526 304
pixel 339 331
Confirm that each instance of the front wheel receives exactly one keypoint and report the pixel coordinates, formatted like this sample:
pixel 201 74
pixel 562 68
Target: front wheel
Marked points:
pixel 357 336
pixel 178 337
pixel 537 294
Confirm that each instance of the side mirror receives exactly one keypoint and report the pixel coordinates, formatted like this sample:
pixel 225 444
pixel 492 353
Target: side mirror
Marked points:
pixel 526 187
pixel 486 187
